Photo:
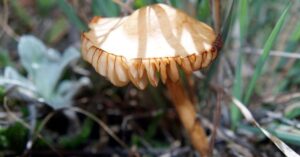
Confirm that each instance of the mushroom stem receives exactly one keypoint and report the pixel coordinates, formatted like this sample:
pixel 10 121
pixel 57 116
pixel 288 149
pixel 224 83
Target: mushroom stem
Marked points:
pixel 191 88
pixel 187 114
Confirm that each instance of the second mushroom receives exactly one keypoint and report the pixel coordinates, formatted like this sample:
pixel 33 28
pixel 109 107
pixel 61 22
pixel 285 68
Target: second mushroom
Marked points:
pixel 149 45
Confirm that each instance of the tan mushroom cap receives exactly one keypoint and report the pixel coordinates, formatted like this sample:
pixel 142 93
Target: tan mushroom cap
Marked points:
pixel 156 39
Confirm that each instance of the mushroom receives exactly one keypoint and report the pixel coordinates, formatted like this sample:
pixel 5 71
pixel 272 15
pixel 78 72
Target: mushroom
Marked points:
pixel 149 45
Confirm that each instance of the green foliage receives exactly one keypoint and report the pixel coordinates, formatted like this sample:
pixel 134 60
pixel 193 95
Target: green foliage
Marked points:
pixel 293 112
pixel 4 142
pixel 4 58
pixel 14 137
pixel 44 7
pixel 228 22
pixel 142 3
pixel 135 140
pixel 59 28
pixel 152 127
pixel 72 15
pixel 237 90
pixel 79 138
pixel 282 133
pixel 105 8
pixel 21 13
pixel 177 3
pixel 289 137
pixel 2 92
pixel 243 19
pixel 263 58
pixel 203 10
pixel 295 36
pixel 291 45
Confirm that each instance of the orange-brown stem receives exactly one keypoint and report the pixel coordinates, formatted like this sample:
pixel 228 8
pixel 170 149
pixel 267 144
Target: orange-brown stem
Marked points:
pixel 187 114
pixel 191 88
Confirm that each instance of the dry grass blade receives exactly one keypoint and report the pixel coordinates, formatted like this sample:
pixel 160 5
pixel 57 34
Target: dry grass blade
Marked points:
pixel 286 150
pixel 12 115
pixel 216 122
pixel 216 12
pixel 102 124
pixel 43 123
pixel 3 23
pixel 293 55
pixel 282 98
pixel 86 113
pixel 50 115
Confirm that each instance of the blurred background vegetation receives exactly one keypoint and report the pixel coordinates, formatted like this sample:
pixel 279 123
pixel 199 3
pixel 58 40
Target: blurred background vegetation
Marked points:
pixel 52 103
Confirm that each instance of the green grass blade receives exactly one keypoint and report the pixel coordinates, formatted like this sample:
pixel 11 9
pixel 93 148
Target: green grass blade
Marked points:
pixel 142 3
pixel 77 139
pixel 266 51
pixel 4 59
pixel 243 19
pixel 203 10
pixel 177 3
pixel 21 12
pixel 71 14
pixel 296 33
pixel 235 114
pixel 290 46
pixel 59 28
pixel 105 8
pixel 228 21
pixel 45 7
pixel 237 84
pixel 288 137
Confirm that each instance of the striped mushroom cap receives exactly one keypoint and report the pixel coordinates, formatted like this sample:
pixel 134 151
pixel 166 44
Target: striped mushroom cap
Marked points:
pixel 152 42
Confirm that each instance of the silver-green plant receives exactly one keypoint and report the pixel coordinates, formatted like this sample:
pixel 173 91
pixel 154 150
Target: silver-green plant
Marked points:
pixel 44 67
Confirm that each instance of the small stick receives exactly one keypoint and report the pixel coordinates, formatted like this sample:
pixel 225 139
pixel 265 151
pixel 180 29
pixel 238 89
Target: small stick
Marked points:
pixel 216 13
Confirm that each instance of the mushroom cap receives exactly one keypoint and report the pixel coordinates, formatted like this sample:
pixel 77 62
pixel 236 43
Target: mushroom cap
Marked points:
pixel 155 39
